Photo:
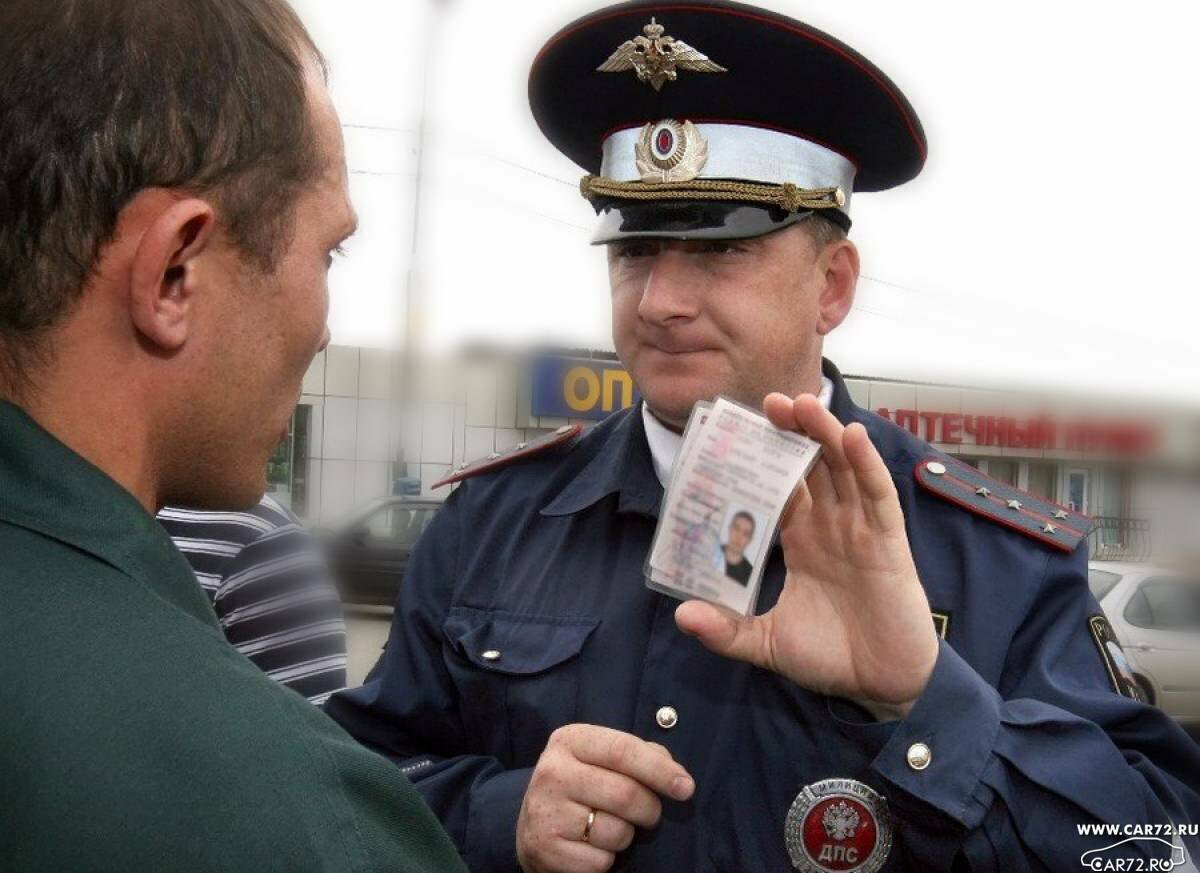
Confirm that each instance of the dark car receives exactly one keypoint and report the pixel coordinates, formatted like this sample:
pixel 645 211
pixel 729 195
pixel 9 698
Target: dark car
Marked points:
pixel 369 554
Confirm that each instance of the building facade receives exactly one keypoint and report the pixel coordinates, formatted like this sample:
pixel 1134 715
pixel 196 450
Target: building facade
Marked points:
pixel 368 426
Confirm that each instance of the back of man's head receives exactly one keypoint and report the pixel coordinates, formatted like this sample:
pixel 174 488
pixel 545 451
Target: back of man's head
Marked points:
pixel 102 98
pixel 113 113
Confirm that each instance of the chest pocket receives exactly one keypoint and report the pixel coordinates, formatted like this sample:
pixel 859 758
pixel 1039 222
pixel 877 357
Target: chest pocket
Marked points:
pixel 518 677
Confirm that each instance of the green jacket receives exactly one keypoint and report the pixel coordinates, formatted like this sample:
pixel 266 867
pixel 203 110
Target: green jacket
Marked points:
pixel 132 736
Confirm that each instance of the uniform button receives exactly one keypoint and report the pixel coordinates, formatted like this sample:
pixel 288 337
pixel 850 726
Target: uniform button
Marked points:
pixel 491 655
pixel 666 717
pixel 937 468
pixel 919 756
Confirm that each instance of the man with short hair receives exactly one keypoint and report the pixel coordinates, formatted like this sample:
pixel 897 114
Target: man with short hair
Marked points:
pixel 741 533
pixel 926 685
pixel 172 186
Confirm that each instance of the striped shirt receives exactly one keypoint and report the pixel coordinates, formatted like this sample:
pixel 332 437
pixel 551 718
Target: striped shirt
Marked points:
pixel 271 590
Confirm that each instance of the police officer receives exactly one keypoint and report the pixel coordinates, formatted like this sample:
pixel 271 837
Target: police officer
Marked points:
pixel 928 684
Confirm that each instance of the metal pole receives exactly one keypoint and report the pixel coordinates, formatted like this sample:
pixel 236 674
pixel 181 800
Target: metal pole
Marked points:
pixel 412 290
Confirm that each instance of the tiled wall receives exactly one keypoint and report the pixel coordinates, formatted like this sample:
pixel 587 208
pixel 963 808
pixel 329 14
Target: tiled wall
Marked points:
pixel 364 417
pixel 350 441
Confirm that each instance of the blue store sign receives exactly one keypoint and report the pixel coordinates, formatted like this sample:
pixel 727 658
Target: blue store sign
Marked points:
pixel 580 388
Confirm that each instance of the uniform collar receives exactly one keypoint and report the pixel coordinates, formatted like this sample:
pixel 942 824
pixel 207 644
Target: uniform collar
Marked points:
pixel 623 463
pixel 49 489
pixel 622 466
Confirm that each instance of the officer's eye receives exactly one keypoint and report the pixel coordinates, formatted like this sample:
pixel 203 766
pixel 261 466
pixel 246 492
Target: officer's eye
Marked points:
pixel 634 249
pixel 720 247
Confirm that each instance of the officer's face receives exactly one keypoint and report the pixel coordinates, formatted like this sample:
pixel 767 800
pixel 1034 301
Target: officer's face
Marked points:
pixel 742 318
pixel 260 333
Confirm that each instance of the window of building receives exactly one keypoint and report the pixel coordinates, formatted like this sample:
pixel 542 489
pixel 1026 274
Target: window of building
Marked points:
pixel 1042 480
pixel 1002 470
pixel 1079 490
pixel 287 468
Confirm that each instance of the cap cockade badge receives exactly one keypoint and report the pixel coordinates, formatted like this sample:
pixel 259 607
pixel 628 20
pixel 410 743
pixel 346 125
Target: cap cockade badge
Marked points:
pixel 669 151
pixel 838 825
pixel 657 58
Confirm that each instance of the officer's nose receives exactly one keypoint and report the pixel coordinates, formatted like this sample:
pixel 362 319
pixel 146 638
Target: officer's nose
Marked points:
pixel 669 295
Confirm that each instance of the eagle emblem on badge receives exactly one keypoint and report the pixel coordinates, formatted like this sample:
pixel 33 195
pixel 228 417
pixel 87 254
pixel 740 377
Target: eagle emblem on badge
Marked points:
pixel 657 58
pixel 840 821
pixel 670 151
pixel 838 826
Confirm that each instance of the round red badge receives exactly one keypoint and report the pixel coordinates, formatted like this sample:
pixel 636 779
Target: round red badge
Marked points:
pixel 838 826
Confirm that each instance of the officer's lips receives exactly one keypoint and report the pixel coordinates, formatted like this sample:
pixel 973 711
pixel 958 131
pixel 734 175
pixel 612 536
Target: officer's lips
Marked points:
pixel 676 348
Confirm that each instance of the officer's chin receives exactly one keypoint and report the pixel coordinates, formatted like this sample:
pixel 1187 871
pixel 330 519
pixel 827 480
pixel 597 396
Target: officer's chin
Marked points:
pixel 672 406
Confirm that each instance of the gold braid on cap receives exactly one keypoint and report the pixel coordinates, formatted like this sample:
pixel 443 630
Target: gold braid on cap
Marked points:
pixel 786 196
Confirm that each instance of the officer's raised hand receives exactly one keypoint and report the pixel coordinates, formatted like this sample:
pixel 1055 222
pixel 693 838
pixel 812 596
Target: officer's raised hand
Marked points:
pixel 591 788
pixel 852 619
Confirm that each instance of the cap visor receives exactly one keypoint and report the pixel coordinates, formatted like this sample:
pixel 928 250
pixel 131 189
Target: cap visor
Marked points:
pixel 689 219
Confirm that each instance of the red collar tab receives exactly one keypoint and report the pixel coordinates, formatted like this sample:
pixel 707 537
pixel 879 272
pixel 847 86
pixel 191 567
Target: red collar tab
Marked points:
pixel 494 461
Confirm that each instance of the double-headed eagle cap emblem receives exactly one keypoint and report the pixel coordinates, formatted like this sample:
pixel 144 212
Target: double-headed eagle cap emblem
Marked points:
pixel 656 58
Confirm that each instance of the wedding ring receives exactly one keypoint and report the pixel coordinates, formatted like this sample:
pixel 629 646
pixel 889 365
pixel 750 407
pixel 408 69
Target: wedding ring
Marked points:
pixel 587 828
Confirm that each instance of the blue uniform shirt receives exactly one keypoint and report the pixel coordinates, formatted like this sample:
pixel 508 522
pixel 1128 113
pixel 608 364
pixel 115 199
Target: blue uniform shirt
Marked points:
pixel 542 562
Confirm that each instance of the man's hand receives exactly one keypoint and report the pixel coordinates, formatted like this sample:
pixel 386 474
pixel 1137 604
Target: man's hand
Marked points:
pixel 852 619
pixel 586 768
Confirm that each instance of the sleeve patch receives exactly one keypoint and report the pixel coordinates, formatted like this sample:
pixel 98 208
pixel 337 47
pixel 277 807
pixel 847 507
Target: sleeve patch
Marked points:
pixel 1120 674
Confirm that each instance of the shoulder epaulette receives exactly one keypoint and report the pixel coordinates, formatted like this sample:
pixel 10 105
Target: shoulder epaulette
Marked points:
pixel 495 460
pixel 1033 516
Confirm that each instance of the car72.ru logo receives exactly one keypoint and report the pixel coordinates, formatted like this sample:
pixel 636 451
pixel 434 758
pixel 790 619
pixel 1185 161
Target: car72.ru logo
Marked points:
pixel 1116 858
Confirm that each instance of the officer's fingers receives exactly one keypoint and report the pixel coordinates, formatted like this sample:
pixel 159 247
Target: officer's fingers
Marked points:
pixel 778 409
pixel 821 486
pixel 820 424
pixel 633 757
pixel 549 834
pixel 798 506
pixel 572 856
pixel 725 633
pixel 608 832
pixel 874 480
pixel 812 418
pixel 618 794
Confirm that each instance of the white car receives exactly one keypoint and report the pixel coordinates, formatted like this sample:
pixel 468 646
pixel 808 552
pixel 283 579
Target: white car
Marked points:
pixel 1155 613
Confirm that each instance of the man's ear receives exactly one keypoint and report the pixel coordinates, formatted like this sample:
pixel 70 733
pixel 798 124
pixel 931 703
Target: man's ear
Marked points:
pixel 841 266
pixel 163 281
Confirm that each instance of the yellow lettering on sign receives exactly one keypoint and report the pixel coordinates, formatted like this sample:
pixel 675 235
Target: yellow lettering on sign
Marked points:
pixel 613 378
pixel 591 382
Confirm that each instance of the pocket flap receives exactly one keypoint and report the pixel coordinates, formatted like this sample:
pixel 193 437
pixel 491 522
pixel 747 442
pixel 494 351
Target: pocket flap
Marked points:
pixel 517 645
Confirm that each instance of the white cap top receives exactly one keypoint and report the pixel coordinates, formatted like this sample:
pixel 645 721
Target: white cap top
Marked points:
pixel 737 151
